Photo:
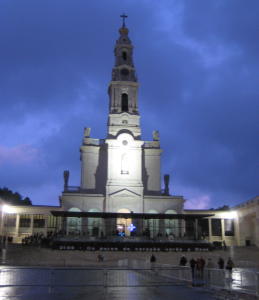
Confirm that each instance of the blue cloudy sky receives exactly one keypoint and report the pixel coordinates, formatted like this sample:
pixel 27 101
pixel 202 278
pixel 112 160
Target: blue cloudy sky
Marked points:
pixel 198 68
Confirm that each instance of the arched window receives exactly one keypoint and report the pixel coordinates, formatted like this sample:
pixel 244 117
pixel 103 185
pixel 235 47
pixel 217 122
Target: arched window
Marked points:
pixel 124 55
pixel 124 102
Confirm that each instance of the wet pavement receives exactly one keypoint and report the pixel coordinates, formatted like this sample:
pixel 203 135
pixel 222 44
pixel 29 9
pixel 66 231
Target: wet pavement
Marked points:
pixel 114 293
pixel 90 292
pixel 128 280
pixel 46 283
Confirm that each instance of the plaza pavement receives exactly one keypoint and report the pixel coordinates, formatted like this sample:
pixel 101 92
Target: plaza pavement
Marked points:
pixel 151 288
pixel 20 255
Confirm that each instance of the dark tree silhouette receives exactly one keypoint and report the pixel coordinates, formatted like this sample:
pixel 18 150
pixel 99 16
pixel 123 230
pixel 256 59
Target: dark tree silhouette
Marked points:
pixel 9 196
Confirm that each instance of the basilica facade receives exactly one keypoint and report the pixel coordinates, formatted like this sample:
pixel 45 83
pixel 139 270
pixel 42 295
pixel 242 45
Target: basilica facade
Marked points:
pixel 121 172
pixel 120 188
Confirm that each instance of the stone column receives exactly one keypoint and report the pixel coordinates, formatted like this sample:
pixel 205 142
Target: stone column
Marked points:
pixel 196 229
pixel 161 229
pixel 182 227
pixel 257 231
pixel 46 225
pixel 84 225
pixel 17 225
pixel 139 226
pixel 257 228
pixel 63 225
pixel 222 229
pixel 210 230
pixel 2 222
pixel 237 231
pixel 31 225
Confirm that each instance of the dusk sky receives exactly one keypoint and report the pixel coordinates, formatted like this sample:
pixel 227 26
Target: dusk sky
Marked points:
pixel 197 63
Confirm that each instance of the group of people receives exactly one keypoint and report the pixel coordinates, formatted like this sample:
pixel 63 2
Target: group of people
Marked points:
pixel 38 239
pixel 197 265
pixel 100 258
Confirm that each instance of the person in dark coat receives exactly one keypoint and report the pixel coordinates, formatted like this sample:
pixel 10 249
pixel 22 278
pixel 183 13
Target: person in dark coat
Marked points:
pixel 200 264
pixel 183 261
pixel 221 263
pixel 152 258
pixel 193 264
pixel 229 265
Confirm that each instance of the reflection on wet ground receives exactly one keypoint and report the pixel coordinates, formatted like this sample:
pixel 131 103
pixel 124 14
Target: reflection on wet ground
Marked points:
pixel 136 280
pixel 31 284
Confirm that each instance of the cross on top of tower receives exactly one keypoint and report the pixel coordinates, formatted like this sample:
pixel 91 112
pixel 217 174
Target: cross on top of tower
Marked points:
pixel 123 16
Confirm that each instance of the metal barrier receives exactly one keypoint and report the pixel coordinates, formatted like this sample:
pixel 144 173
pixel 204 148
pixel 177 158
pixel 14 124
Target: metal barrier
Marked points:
pixel 153 275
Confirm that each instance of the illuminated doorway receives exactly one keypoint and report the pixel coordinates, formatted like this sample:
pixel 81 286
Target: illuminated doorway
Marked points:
pixel 123 225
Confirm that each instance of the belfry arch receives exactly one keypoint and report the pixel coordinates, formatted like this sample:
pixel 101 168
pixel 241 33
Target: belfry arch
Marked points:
pixel 124 102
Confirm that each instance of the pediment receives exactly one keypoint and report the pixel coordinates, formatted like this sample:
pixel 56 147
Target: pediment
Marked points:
pixel 124 193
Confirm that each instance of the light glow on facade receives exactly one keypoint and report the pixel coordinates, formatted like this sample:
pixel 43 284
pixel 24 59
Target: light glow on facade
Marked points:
pixel 7 209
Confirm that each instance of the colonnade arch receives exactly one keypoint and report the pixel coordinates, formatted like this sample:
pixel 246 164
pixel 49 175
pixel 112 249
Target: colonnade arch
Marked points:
pixel 171 225
pixel 95 226
pixel 74 224
pixel 151 226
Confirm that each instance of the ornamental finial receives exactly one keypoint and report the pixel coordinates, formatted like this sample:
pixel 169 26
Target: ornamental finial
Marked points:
pixel 123 16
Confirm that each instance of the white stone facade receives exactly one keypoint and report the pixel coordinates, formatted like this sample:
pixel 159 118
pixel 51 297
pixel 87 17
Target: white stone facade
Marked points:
pixel 121 171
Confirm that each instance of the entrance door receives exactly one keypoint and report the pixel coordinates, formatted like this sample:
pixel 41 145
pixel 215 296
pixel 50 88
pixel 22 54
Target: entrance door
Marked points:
pixel 123 224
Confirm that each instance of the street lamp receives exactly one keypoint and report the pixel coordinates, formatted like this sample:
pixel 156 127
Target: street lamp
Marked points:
pixel 6 209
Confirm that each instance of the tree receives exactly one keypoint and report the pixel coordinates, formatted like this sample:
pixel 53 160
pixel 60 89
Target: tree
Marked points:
pixel 9 196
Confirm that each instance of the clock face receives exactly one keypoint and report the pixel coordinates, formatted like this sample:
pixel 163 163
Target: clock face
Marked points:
pixel 124 72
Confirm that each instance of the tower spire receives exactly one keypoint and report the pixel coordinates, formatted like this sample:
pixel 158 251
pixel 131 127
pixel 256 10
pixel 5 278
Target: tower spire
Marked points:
pixel 123 88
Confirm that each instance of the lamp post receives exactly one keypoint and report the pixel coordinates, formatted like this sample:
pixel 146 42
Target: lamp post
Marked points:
pixel 6 209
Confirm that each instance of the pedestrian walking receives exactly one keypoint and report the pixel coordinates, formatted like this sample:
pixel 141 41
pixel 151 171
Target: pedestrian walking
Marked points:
pixel 221 263
pixel 201 266
pixel 100 258
pixel 152 261
pixel 152 258
pixel 193 267
pixel 183 261
pixel 230 265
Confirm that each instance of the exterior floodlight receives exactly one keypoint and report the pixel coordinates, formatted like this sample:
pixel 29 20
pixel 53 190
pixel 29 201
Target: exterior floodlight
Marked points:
pixel 232 215
pixel 7 209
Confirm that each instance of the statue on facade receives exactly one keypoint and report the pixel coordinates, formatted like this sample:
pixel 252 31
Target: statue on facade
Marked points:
pixel 166 181
pixel 87 132
pixel 156 136
pixel 66 178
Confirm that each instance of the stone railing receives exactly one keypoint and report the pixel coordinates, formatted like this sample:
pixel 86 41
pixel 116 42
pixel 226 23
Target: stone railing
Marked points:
pixel 72 189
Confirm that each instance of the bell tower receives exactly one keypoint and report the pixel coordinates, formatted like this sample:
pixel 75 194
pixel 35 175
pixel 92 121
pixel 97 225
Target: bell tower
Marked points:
pixel 123 89
pixel 121 173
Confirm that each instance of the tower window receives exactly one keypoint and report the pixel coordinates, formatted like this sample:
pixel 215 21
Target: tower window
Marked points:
pixel 124 102
pixel 124 55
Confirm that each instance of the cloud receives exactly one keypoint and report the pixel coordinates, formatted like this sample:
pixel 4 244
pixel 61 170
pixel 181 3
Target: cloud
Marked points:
pixel 18 155
pixel 200 202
